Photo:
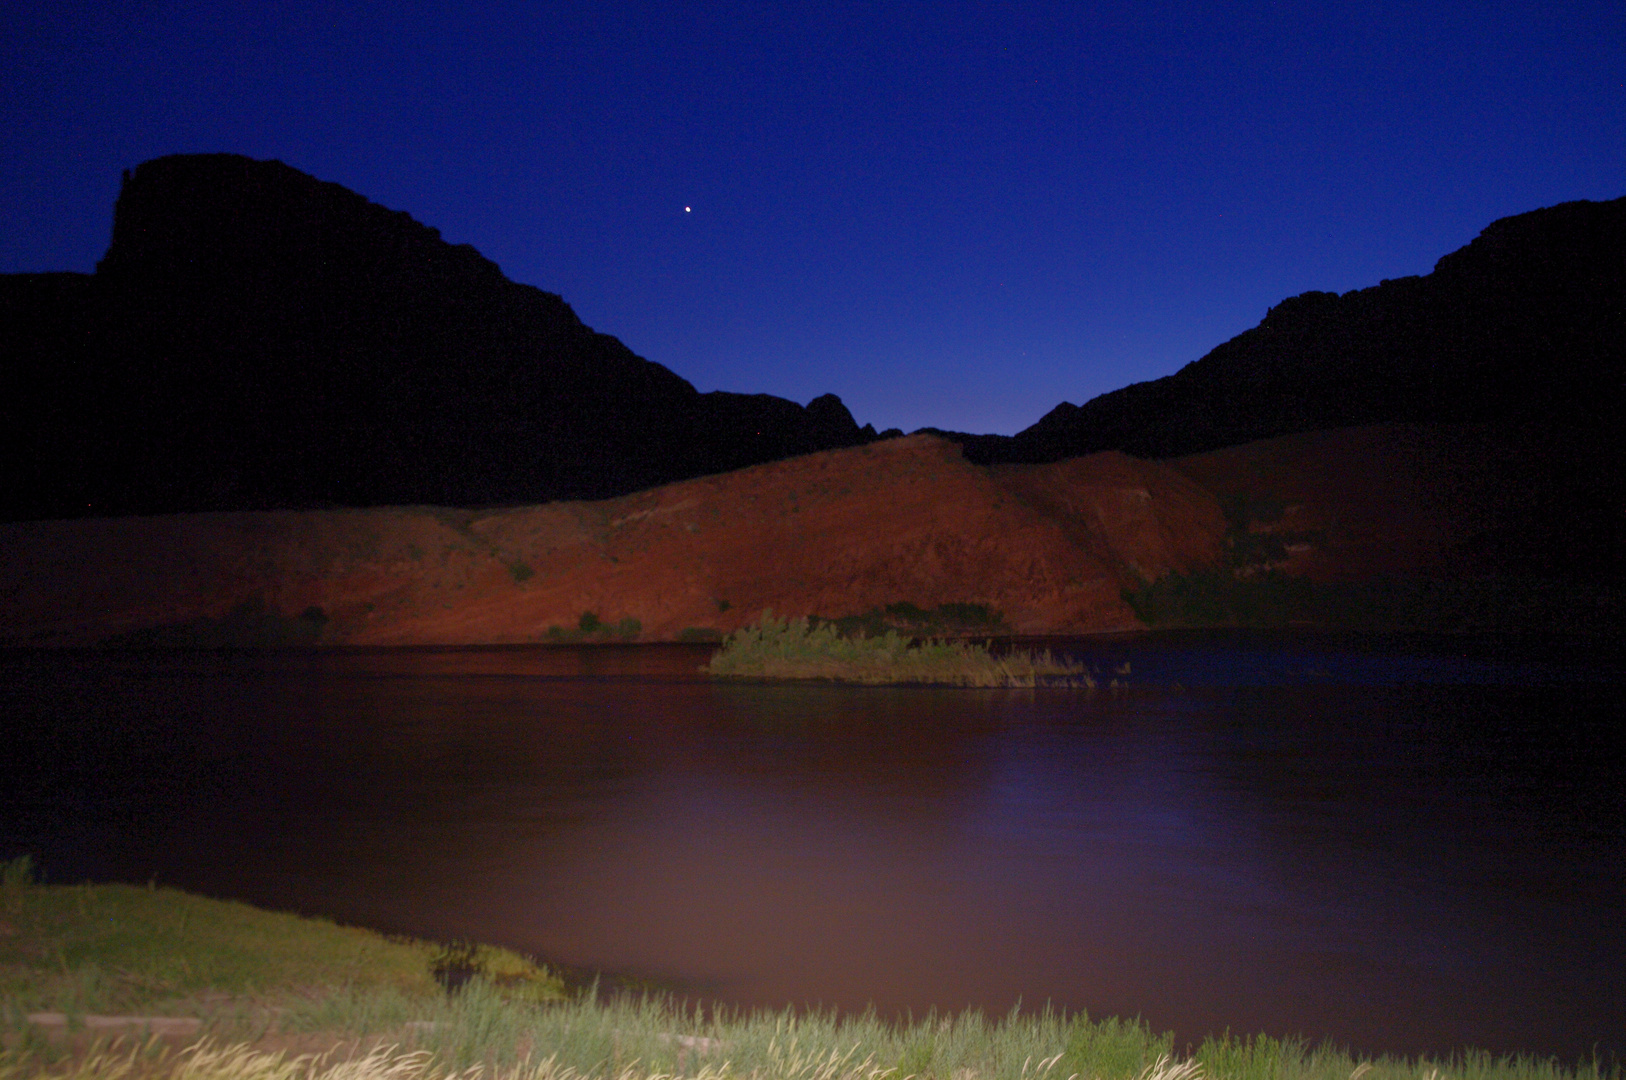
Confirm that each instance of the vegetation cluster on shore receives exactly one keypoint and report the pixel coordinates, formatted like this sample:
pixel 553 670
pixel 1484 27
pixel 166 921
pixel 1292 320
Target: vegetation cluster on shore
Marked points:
pixel 1250 588
pixel 775 648
pixel 280 997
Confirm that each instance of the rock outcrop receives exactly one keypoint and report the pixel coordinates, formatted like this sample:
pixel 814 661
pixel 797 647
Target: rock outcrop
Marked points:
pixel 256 338
pixel 1525 325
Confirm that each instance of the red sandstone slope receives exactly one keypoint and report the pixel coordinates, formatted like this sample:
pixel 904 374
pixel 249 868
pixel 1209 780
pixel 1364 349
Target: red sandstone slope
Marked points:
pixel 836 533
pixel 833 533
pixel 1432 500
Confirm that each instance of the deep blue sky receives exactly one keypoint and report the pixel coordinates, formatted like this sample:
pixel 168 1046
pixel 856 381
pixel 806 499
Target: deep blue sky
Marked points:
pixel 949 214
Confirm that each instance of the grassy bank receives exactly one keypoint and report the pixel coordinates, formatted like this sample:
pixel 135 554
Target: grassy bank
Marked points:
pixel 134 950
pixel 799 649
pixel 283 997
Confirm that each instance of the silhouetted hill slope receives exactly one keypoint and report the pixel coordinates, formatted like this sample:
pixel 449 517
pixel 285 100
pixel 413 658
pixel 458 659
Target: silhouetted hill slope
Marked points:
pixel 256 338
pixel 1525 325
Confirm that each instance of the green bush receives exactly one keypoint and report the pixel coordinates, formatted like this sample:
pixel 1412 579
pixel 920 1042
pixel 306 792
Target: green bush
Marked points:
pixel 800 649
pixel 977 615
pixel 592 628
pixel 17 873
pixel 1220 598
pixel 1241 510
pixel 252 624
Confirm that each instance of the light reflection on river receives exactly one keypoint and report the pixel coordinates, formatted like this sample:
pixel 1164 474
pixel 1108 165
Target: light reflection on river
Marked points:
pixel 1401 846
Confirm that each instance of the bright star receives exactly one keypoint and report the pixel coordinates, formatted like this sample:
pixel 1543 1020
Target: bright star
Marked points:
pixel 685 209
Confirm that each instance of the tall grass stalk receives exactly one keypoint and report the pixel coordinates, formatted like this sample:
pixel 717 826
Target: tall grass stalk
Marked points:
pixel 482 1034
pixel 799 649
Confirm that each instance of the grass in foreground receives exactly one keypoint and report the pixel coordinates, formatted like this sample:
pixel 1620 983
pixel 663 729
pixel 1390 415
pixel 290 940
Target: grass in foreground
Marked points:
pixel 114 949
pixel 797 649
pixel 372 1010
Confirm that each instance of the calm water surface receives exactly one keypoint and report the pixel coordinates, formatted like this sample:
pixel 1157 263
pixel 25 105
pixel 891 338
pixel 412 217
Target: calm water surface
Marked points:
pixel 1400 845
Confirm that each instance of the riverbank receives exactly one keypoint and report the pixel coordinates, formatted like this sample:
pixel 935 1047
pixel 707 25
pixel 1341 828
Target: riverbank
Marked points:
pixel 243 992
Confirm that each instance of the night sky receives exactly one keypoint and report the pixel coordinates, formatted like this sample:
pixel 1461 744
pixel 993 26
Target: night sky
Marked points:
pixel 950 214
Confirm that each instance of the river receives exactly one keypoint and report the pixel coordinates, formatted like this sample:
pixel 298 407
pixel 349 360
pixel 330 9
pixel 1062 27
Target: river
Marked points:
pixel 1399 844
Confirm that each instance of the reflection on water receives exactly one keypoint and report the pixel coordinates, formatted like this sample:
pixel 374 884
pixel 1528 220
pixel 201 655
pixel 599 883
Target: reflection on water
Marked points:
pixel 1399 846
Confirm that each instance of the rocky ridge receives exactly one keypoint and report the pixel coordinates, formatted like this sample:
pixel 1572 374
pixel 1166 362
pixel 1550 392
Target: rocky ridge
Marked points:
pixel 1525 325
pixel 1052 549
pixel 834 533
pixel 256 338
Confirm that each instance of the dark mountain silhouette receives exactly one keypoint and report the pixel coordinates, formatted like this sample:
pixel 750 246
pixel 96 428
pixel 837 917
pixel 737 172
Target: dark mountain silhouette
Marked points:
pixel 1521 334
pixel 1526 326
pixel 256 338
